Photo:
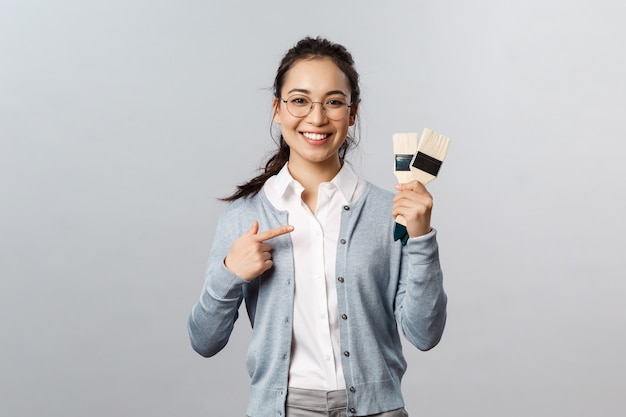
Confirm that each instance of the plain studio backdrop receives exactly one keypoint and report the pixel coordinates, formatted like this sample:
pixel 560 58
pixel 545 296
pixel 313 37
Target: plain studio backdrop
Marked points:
pixel 122 122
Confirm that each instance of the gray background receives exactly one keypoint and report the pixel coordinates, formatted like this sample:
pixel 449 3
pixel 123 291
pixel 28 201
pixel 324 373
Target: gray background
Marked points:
pixel 121 121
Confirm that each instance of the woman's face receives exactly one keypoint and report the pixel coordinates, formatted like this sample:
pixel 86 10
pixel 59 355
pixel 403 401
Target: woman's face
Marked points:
pixel 314 138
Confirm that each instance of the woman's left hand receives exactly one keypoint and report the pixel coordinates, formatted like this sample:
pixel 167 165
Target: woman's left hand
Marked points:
pixel 415 204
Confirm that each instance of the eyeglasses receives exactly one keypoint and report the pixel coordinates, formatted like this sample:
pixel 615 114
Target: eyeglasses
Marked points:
pixel 300 106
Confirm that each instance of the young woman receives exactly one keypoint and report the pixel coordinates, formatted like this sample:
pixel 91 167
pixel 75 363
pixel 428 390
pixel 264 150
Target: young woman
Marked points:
pixel 309 246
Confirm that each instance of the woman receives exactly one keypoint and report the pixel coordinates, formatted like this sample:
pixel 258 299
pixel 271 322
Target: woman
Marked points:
pixel 309 247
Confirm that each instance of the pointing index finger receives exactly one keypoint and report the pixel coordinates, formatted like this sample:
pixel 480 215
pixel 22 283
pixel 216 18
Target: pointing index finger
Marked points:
pixel 272 233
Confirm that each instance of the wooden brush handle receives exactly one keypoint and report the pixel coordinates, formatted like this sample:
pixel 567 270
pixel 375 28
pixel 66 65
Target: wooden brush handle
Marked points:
pixel 423 177
pixel 403 177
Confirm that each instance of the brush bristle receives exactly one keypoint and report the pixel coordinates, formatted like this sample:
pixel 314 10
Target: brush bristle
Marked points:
pixel 434 144
pixel 405 143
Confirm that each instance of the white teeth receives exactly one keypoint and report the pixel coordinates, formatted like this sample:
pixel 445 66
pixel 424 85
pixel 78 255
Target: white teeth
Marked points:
pixel 315 136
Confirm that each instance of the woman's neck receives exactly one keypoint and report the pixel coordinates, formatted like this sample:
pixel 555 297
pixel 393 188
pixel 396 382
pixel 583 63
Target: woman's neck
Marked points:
pixel 311 175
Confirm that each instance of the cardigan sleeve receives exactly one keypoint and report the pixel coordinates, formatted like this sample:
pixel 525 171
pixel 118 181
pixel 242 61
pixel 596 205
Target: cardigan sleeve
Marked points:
pixel 213 317
pixel 421 300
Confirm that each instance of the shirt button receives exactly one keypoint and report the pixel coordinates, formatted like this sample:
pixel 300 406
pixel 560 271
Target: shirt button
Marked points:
pixel 345 317
pixel 346 353
pixel 352 389
pixel 340 279
pixel 343 241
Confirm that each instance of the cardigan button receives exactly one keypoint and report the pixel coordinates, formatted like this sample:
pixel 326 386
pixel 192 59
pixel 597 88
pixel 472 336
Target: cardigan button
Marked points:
pixel 340 279
pixel 352 410
pixel 352 389
pixel 346 353
pixel 343 241
pixel 346 208
pixel 345 317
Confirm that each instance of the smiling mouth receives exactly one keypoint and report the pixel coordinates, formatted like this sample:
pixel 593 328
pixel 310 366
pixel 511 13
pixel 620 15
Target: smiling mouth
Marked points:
pixel 315 136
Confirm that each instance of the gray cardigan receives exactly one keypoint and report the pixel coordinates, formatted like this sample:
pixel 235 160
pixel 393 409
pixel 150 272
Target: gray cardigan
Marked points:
pixel 380 285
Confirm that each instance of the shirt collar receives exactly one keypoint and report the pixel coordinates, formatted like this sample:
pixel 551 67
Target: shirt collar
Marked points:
pixel 283 180
pixel 346 182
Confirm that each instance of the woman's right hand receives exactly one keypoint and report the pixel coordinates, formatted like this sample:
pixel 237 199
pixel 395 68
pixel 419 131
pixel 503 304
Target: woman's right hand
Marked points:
pixel 250 255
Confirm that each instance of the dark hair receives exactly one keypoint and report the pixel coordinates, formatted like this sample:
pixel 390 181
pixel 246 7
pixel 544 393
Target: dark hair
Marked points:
pixel 307 48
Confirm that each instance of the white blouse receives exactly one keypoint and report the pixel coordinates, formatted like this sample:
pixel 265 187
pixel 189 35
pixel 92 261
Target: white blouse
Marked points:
pixel 315 355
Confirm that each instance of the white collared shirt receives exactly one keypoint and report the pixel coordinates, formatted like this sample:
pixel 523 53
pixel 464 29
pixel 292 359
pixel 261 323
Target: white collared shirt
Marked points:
pixel 315 355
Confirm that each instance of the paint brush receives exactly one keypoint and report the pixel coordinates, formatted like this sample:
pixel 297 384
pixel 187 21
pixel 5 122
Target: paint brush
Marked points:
pixel 431 151
pixel 426 160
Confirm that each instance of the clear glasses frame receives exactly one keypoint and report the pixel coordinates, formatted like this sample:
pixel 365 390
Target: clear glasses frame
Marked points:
pixel 301 106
